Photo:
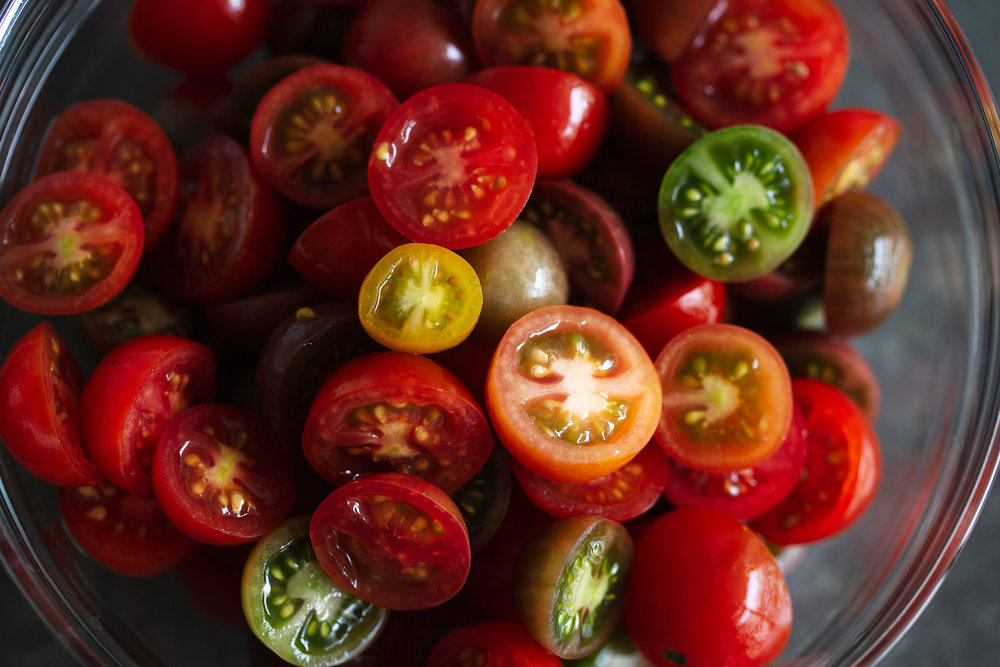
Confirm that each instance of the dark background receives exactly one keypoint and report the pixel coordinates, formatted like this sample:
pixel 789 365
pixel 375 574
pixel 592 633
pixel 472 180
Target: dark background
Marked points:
pixel 961 626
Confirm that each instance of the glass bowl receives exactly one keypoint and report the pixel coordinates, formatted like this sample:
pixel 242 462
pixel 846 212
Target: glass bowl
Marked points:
pixel 937 358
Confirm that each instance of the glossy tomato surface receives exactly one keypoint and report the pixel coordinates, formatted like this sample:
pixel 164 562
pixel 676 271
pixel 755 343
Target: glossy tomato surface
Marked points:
pixel 40 384
pixel 571 394
pixel 453 165
pixel 490 643
pixel 69 242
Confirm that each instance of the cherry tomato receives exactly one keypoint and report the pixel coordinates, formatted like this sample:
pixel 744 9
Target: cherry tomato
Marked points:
pixel 770 62
pixel 842 471
pixel 198 35
pixel 621 495
pixel 40 385
pixel 390 411
pixel 218 476
pixel 490 643
pixel 393 540
pixel 572 395
pixel 136 311
pixel 69 242
pixel 124 533
pixel 484 499
pixel 229 230
pixel 846 148
pixel 132 394
pixel 669 26
pixel 590 38
pixel 313 131
pixel 420 298
pixel 115 139
pixel 453 165
pixel 747 492
pixel 727 398
pixel 568 114
pixel 705 590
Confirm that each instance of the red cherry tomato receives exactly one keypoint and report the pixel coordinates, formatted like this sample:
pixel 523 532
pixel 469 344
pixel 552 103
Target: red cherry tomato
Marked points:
pixel 390 411
pixel 568 115
pixel 705 590
pixel 198 35
pixel 125 533
pixel 590 37
pixel 230 226
pixel 117 140
pixel 218 476
pixel 132 394
pixel 669 26
pixel 490 643
pixel 571 393
pixel 769 62
pixel 40 385
pixel 453 165
pixel 393 540
pixel 69 242
pixel 842 472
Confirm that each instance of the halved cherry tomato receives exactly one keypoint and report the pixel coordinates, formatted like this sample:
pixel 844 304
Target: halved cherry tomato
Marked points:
pixel 132 394
pixel 420 298
pixel 491 643
pixel 394 540
pixel 727 398
pixel 218 476
pixel 770 62
pixel 136 311
pixel 571 393
pixel 389 411
pixel 40 385
pixel 124 533
pixel 484 499
pixel 842 473
pixel 568 114
pixel 69 242
pixel 621 495
pixel 313 131
pixel 453 165
pixel 115 139
pixel 590 38
pixel 230 226
pixel 846 148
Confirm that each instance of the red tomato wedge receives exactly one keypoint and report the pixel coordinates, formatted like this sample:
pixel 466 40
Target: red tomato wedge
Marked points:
pixel 571 393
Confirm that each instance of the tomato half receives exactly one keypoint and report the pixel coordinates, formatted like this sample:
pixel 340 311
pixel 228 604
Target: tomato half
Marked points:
pixel 132 394
pixel 394 540
pixel 770 62
pixel 842 472
pixel 390 411
pixel 420 298
pixel 218 476
pixel 705 590
pixel 124 533
pixel 69 242
pixel 313 131
pixel 115 139
pixel 590 38
pixel 453 165
pixel 572 395
pixel 40 385
pixel 727 398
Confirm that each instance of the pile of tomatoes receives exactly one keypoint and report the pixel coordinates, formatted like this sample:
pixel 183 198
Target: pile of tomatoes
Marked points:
pixel 474 332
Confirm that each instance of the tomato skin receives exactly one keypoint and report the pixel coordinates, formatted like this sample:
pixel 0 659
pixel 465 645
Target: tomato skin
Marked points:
pixel 491 643
pixel 705 591
pixel 90 259
pixel 131 394
pixel 198 35
pixel 374 537
pixel 842 473
pixel 519 385
pixel 568 115
pixel 218 476
pixel 40 385
pixel 440 433
pixel 797 48
pixel 669 26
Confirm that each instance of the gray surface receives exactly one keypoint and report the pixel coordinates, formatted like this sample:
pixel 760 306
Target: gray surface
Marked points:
pixel 959 627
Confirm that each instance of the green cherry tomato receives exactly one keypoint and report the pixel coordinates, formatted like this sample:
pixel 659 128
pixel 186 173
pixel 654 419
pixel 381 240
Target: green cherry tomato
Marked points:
pixel 736 203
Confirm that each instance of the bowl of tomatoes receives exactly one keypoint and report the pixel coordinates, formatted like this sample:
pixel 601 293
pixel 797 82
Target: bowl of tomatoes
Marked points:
pixel 454 332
